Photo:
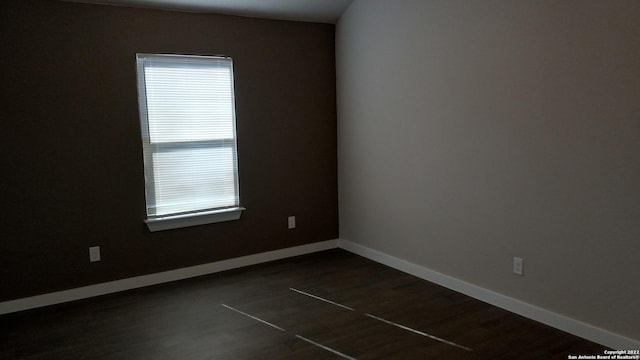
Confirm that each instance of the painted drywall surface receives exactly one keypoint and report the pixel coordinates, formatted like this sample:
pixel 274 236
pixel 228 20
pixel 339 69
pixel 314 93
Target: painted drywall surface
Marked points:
pixel 470 132
pixel 71 146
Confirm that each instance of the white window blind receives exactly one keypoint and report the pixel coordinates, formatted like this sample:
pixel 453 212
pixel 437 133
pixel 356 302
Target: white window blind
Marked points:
pixel 187 115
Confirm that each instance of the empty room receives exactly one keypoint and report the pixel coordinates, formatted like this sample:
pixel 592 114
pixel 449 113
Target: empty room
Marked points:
pixel 320 179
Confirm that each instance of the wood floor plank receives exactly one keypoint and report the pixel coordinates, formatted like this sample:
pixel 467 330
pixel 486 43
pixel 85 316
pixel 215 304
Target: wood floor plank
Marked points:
pixel 187 320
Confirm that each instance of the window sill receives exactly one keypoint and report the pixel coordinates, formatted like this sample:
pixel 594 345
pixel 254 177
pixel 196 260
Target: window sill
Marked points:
pixel 180 221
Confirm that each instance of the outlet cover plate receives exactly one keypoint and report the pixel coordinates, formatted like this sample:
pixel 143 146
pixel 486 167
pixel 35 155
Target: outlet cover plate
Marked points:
pixel 94 254
pixel 517 266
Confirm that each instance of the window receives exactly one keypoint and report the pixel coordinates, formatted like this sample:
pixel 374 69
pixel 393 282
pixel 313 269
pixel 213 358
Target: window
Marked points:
pixel 187 116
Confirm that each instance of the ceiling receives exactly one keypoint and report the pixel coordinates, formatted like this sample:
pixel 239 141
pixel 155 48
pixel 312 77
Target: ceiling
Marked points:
pixel 323 11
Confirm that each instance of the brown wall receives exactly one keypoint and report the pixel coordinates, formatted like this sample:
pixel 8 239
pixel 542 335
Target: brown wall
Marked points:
pixel 71 149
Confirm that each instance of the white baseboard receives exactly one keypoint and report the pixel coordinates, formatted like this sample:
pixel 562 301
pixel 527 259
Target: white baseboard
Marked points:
pixel 84 292
pixel 547 317
pixel 572 326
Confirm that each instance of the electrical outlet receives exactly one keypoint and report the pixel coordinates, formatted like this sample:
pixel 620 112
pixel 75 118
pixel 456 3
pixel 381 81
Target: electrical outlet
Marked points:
pixel 517 266
pixel 94 253
pixel 291 222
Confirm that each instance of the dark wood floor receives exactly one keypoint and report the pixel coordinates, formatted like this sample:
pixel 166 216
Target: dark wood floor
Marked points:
pixel 281 310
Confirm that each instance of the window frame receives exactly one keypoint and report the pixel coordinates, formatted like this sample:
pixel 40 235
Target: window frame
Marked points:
pixel 201 216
